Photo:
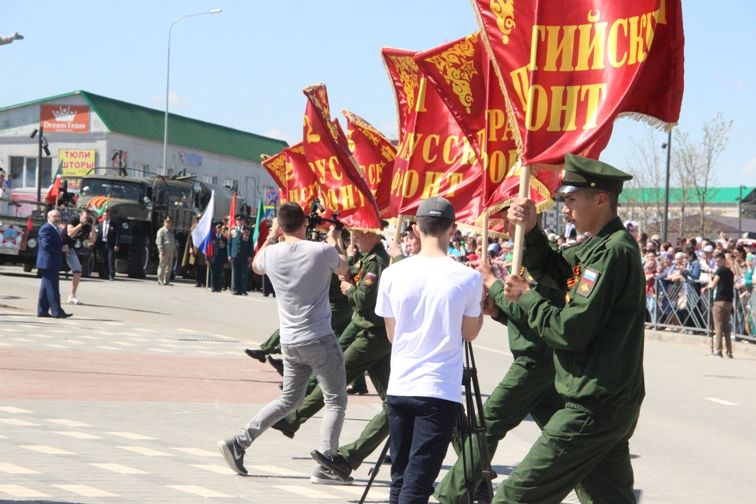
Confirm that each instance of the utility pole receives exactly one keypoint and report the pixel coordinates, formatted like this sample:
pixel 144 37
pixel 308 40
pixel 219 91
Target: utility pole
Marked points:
pixel 39 163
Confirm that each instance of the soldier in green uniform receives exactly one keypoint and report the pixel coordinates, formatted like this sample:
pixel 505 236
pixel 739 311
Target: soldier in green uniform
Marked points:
pixel 239 251
pixel 597 337
pixel 527 388
pixel 370 351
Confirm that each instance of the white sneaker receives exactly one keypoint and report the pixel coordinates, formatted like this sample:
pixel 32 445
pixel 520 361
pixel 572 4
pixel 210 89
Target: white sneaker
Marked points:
pixel 74 300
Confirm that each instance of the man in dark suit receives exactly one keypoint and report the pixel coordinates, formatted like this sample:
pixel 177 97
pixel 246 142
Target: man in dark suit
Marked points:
pixel 218 259
pixel 49 261
pixel 107 241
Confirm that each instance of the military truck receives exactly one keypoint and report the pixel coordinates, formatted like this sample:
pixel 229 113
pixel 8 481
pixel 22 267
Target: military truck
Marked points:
pixel 18 235
pixel 138 207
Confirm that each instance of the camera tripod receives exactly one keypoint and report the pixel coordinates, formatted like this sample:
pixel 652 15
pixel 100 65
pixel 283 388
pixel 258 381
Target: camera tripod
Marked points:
pixel 471 426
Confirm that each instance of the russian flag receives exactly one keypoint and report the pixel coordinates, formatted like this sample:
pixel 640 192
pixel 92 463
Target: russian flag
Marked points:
pixel 202 236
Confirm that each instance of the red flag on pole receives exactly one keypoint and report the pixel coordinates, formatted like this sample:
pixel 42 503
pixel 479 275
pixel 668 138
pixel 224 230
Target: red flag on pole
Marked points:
pixel 293 175
pixel 569 73
pixel 434 157
pixel 342 188
pixel 375 155
pixel 232 212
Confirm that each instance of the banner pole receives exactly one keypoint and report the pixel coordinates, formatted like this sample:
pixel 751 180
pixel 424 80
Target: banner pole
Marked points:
pixel 398 232
pixel 484 236
pixel 519 238
pixel 207 272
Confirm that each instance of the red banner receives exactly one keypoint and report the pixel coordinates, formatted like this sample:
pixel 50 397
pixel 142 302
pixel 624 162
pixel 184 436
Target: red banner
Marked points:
pixel 463 76
pixel 569 69
pixel 293 176
pixel 342 188
pixel 64 118
pixel 434 157
pixel 375 155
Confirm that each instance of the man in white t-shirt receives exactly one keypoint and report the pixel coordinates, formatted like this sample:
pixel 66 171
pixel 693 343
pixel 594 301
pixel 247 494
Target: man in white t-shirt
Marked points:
pixel 431 304
pixel 300 271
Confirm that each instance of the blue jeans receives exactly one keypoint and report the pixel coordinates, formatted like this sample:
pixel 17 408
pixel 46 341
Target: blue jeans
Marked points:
pixel 323 358
pixel 421 430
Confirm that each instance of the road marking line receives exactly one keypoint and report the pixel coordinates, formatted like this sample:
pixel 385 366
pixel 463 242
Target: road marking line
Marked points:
pixel 124 343
pixel 720 401
pixel 21 491
pixel 73 342
pixel 198 490
pixel 47 450
pixel 163 350
pixel 105 347
pixel 359 490
pixel 23 340
pixel 6 344
pixel 141 450
pixel 19 422
pixel 306 492
pixel 495 350
pixel 67 423
pixel 89 337
pixel 55 345
pixel 78 435
pixel 220 469
pixel 276 470
pixel 197 451
pixel 131 435
pixel 86 491
pixel 15 469
pixel 13 409
pixel 120 469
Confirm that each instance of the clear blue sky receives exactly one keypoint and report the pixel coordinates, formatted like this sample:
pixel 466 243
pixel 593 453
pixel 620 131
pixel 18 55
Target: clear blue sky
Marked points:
pixel 245 68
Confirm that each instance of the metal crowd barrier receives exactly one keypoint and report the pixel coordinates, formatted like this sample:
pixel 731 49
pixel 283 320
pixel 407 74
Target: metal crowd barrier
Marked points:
pixel 681 306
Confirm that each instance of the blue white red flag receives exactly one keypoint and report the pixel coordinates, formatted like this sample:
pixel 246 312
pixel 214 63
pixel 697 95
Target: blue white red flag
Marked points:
pixel 202 236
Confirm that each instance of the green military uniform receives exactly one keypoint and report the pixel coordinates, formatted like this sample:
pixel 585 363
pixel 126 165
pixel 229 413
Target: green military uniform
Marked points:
pixel 597 339
pixel 370 351
pixel 239 251
pixel 527 388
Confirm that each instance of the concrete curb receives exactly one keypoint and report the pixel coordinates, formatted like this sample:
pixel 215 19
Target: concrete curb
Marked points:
pixel 701 340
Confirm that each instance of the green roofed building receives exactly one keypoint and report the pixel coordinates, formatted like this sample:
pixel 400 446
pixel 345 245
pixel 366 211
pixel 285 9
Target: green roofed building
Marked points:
pixel 89 132
pixel 725 209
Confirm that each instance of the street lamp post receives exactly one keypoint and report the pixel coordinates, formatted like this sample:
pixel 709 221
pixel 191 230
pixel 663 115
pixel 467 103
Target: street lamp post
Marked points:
pixel 668 146
pixel 168 81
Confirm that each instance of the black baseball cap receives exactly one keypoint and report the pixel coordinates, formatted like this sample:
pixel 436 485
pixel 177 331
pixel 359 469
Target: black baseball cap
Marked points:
pixel 438 207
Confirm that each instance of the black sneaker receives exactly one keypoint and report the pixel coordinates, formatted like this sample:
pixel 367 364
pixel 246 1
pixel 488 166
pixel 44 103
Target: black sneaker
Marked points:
pixel 233 454
pixel 323 476
pixel 256 354
pixel 63 315
pixel 336 463
pixel 276 363
pixel 285 429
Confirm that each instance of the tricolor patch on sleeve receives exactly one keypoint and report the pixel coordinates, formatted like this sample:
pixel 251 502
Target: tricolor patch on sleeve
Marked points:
pixel 369 278
pixel 587 282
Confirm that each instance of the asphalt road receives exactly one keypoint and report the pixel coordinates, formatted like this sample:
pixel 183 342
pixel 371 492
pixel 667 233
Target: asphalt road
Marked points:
pixel 125 401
